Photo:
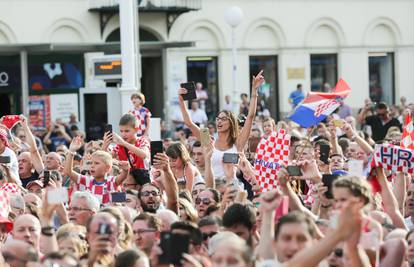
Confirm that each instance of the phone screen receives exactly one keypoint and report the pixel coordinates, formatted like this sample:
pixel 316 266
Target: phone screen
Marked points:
pixel 204 136
pixel 4 159
pixel 231 158
pixel 294 170
pixel 324 153
pixel 46 175
pixel 108 128
pixel 156 147
pixel 117 197
pixel 191 93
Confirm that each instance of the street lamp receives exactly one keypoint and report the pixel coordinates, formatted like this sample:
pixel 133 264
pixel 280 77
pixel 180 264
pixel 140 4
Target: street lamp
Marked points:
pixel 233 16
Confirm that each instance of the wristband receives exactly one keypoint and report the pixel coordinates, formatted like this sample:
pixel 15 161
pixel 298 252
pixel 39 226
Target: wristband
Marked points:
pixel 326 206
pixel 48 231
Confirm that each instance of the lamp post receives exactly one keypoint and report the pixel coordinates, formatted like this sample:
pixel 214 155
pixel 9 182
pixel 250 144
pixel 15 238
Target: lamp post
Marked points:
pixel 233 16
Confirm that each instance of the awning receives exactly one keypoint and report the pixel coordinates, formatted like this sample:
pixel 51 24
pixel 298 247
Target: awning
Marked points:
pixel 86 47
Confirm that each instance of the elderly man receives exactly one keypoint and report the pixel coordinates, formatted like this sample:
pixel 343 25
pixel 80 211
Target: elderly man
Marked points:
pixel 27 228
pixel 102 235
pixel 19 253
pixel 83 206
pixel 53 161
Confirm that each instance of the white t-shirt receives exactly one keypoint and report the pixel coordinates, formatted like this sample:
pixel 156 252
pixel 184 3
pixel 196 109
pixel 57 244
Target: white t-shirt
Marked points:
pixel 199 116
pixel 217 161
pixel 13 165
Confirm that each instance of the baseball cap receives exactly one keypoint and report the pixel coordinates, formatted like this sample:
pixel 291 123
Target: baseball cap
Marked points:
pixel 35 182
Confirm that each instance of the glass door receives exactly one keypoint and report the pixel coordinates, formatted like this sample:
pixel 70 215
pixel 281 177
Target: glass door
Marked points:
pixel 381 77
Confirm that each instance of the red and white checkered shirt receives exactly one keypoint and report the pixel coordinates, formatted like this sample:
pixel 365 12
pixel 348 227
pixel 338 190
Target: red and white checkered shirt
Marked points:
pixel 141 114
pixel 139 163
pixel 101 190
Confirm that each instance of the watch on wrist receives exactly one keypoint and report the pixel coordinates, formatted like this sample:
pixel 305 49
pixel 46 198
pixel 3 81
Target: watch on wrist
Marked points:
pixel 48 231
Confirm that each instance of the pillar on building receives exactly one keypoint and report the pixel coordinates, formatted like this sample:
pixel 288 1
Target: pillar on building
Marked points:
pixel 131 60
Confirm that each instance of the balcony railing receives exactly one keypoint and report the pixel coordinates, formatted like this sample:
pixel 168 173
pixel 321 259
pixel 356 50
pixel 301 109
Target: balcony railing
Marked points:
pixel 149 5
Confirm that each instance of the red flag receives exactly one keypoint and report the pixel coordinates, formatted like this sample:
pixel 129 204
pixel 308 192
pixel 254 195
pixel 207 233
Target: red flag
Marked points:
pixel 10 120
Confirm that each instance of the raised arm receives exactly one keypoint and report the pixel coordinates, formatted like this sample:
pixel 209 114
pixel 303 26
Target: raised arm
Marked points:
pixel 389 200
pixel 258 80
pixel 34 152
pixel 186 116
pixel 162 162
pixel 352 135
pixel 68 168
pixel 208 168
pixel 400 190
pixel 142 152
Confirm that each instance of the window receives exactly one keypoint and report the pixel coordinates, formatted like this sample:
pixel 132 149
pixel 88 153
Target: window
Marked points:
pixel 324 72
pixel 268 94
pixel 381 77
pixel 204 70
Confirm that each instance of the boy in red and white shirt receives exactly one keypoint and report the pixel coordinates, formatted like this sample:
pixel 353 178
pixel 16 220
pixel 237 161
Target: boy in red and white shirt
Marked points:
pixel 99 183
pixel 138 147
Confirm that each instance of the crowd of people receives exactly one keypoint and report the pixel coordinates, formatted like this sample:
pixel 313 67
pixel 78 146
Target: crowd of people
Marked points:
pixel 115 202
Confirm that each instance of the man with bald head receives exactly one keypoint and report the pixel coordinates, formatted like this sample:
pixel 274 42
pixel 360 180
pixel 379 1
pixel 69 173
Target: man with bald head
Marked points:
pixel 30 163
pixel 18 253
pixel 26 228
pixel 102 234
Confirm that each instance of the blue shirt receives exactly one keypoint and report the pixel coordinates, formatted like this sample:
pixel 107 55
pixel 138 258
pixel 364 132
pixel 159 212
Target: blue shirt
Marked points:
pixel 297 97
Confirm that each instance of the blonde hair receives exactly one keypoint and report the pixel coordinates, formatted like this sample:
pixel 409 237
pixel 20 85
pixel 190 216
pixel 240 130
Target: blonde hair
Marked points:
pixel 189 210
pixel 104 156
pixel 140 96
pixel 77 233
pixel 357 185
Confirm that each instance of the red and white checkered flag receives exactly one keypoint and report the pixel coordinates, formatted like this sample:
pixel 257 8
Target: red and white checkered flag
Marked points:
pixel 271 153
pixel 407 140
pixel 11 188
pixel 4 204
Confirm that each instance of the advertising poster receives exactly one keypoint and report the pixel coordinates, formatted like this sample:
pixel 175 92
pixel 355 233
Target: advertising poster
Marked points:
pixel 39 110
pixel 62 105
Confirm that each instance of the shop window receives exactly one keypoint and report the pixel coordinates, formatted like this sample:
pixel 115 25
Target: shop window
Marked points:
pixel 324 72
pixel 268 101
pixel 381 77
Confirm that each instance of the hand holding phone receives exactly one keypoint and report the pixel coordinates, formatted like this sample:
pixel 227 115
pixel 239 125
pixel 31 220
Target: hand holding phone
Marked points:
pixel 324 151
pixel 4 159
pixel 156 147
pixel 191 93
pixel 173 246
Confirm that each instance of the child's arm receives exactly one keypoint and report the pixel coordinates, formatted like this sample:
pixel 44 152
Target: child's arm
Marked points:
pixel 142 152
pixel 148 120
pixel 68 168
pixel 189 174
pixel 124 166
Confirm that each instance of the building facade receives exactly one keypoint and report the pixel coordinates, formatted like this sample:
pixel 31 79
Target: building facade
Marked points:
pixel 369 43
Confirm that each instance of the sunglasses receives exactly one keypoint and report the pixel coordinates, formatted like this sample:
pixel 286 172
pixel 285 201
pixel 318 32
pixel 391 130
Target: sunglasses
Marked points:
pixel 148 193
pixel 208 235
pixel 222 118
pixel 339 252
pixel 205 201
pixel 85 172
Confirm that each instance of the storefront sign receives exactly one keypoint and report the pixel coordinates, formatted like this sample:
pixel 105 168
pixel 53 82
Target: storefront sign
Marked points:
pixel 296 73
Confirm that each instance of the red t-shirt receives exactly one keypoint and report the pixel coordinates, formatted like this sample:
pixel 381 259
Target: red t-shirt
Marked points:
pixel 139 163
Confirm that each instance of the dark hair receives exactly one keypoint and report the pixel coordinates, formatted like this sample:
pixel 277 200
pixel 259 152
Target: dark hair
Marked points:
pixel 295 217
pixel 210 220
pixel 197 144
pixel 196 237
pixel 128 258
pixel 381 105
pixel 244 95
pixel 408 234
pixel 299 86
pixel 178 150
pixel 186 194
pixel 233 127
pixel 239 214
pixel 152 220
pixel 128 120
pixel 216 194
